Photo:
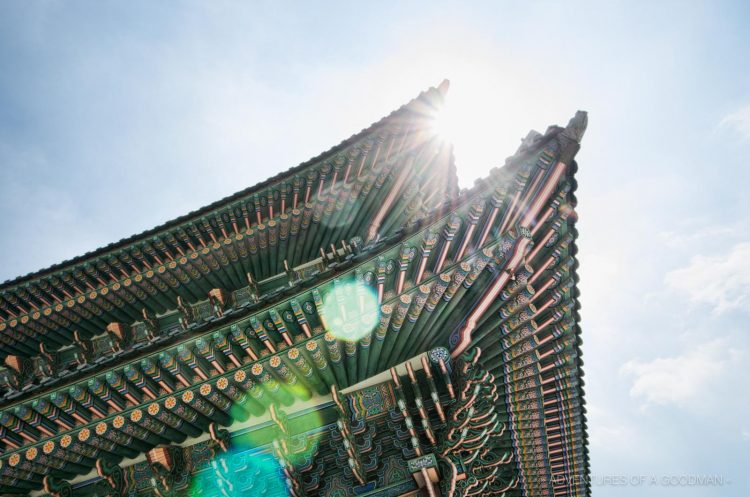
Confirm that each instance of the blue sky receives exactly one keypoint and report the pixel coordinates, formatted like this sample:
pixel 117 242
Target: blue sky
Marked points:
pixel 116 118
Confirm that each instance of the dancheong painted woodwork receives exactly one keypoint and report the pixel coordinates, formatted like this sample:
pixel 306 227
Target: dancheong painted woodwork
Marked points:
pixel 355 326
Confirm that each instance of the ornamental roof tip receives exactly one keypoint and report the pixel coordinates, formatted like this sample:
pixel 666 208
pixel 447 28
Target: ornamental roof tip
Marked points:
pixel 577 126
pixel 415 105
pixel 444 86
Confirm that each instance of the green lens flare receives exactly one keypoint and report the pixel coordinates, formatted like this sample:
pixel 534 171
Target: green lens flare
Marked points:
pixel 352 311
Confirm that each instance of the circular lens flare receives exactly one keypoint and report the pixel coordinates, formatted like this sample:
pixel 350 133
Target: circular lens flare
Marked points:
pixel 352 311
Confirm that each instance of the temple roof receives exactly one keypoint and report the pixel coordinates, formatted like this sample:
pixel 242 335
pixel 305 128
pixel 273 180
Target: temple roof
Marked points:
pixel 463 311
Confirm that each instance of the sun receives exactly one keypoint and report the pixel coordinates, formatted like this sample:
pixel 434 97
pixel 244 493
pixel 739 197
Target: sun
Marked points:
pixel 445 123
pixel 472 117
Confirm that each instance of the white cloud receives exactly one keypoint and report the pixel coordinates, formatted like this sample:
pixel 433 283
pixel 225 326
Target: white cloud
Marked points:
pixel 746 434
pixel 609 431
pixel 680 379
pixel 722 282
pixel 702 234
pixel 739 121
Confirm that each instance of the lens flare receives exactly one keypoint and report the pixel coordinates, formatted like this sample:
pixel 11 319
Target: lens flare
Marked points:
pixel 445 123
pixel 251 467
pixel 304 444
pixel 352 311
pixel 240 473
pixel 339 213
